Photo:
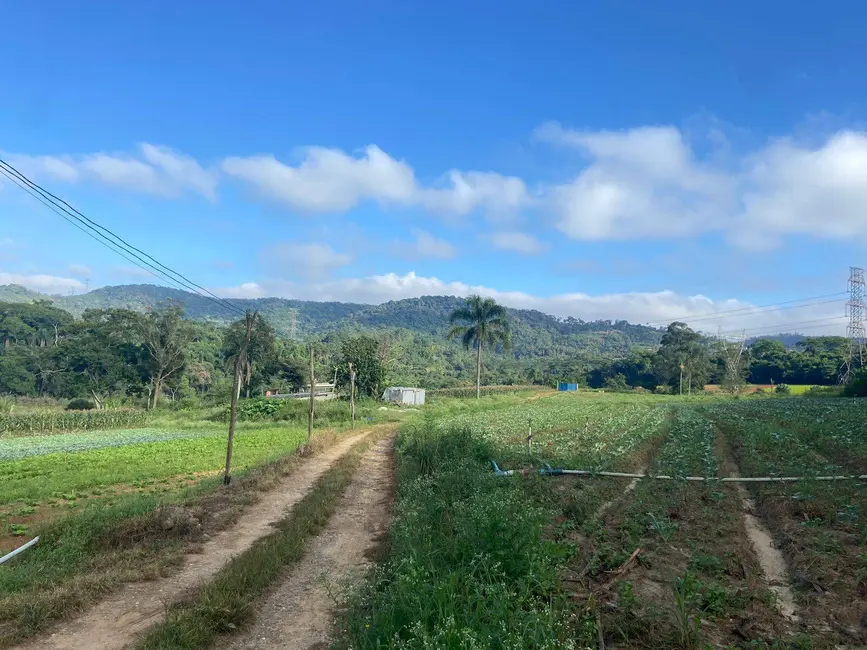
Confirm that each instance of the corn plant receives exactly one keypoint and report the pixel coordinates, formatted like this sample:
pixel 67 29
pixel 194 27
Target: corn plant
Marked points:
pixel 57 422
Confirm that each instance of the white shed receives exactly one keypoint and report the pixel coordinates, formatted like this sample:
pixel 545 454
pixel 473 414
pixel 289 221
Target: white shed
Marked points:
pixel 403 395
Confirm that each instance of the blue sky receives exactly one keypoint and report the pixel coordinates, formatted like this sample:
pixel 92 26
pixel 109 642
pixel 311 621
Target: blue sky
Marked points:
pixel 617 160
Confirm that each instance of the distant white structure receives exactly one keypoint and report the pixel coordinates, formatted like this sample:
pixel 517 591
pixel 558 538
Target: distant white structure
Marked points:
pixel 322 391
pixel 403 395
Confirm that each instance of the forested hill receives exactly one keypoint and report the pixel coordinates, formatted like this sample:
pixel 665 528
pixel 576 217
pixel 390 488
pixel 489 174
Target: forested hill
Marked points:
pixel 534 334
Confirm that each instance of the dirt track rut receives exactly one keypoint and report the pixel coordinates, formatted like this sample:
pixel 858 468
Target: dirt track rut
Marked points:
pixel 298 613
pixel 119 619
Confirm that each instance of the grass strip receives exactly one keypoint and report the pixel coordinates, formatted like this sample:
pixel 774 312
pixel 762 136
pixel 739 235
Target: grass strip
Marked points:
pixel 226 604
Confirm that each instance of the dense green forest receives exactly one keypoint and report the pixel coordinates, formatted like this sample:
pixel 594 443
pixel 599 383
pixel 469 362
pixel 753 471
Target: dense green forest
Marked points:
pixel 160 345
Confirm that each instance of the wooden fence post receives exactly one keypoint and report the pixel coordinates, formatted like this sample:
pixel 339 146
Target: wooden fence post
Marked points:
pixel 352 393
pixel 312 392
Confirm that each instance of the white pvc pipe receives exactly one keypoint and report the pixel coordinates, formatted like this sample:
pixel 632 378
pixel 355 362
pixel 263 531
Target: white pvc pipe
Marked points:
pixel 18 550
pixel 663 477
pixel 727 479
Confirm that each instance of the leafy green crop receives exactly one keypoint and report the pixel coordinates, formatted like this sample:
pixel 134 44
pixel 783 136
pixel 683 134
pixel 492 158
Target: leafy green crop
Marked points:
pixel 39 477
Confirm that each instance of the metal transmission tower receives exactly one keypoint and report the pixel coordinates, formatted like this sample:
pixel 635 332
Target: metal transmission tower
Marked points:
pixel 733 354
pixel 855 329
pixel 293 327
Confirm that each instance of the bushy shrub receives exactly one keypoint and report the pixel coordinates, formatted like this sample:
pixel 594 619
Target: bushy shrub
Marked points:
pixel 80 404
pixel 259 408
pixel 617 383
pixel 783 389
pixel 858 386
pixel 825 391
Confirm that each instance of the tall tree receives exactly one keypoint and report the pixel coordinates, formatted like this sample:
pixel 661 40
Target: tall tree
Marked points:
pixel 166 336
pixel 768 361
pixel 681 354
pixel 365 354
pixel 106 354
pixel 261 359
pixel 478 322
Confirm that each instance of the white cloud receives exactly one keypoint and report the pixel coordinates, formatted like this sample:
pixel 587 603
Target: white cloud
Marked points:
pixel 51 284
pixel 519 242
pixel 640 183
pixel 649 183
pixel 465 192
pixel 425 245
pixel 155 170
pixel 245 290
pixel 791 189
pixel 308 261
pixel 80 270
pixel 330 180
pixel 651 307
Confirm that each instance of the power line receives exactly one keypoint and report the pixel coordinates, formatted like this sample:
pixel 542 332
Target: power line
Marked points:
pixel 165 273
pixel 75 224
pixel 780 326
pixel 118 241
pixel 755 309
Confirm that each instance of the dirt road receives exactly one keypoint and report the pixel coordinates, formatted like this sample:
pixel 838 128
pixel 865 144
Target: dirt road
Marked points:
pixel 299 611
pixel 118 620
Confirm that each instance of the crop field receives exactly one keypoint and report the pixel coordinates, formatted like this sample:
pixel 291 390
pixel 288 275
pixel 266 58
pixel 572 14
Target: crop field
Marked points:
pixel 576 561
pixel 43 477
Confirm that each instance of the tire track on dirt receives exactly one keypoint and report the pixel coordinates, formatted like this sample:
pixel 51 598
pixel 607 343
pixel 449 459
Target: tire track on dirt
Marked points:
pixel 299 611
pixel 770 558
pixel 116 621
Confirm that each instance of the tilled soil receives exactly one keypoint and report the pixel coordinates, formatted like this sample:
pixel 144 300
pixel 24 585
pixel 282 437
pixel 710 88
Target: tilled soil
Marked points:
pixel 119 619
pixel 299 611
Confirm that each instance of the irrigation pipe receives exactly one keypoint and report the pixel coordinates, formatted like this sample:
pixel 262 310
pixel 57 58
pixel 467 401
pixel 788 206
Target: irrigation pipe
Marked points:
pixel 549 471
pixel 18 550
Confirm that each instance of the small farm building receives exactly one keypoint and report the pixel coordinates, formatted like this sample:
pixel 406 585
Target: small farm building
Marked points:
pixel 403 395
pixel 565 386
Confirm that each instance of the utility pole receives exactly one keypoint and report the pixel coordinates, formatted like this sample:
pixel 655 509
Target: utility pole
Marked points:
pixel 240 360
pixel 855 328
pixel 312 392
pixel 352 394
pixel 681 379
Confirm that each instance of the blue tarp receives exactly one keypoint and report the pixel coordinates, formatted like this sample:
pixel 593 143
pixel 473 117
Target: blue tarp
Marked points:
pixel 565 386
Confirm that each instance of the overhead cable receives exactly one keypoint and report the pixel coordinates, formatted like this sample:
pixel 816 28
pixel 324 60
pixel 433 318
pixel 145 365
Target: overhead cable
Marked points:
pixel 111 239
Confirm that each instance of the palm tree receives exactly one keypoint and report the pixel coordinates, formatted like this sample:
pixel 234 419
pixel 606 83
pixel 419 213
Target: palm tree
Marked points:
pixel 482 321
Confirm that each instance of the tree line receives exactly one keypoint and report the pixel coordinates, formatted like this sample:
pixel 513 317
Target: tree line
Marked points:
pixel 159 355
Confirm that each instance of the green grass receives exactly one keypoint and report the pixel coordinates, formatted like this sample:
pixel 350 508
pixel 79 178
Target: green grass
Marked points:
pixel 226 604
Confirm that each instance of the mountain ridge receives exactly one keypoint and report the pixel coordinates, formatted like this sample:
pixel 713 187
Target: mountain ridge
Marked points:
pixel 535 333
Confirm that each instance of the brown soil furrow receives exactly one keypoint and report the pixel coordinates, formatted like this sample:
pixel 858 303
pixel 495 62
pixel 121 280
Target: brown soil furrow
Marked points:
pixel 117 620
pixel 299 612
pixel 770 558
